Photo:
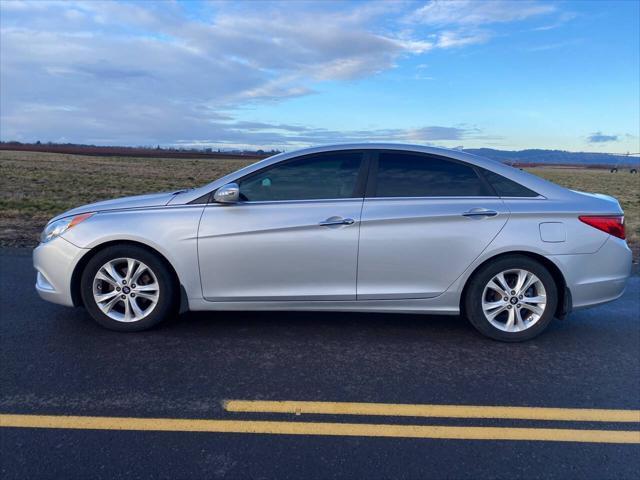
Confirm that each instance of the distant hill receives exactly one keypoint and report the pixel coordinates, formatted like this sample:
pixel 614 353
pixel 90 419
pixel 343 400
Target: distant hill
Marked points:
pixel 553 157
pixel 115 151
pixel 521 157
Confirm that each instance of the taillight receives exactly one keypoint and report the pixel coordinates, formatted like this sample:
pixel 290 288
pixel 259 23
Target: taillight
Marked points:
pixel 612 224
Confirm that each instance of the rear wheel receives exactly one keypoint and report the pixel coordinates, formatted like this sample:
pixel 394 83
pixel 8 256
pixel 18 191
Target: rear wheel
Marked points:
pixel 511 299
pixel 128 288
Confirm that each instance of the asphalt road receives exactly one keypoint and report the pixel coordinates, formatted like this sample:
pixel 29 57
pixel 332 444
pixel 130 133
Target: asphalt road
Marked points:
pixel 56 361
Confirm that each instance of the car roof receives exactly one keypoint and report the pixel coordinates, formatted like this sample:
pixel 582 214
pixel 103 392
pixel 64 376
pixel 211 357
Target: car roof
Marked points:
pixel 533 182
pixel 405 147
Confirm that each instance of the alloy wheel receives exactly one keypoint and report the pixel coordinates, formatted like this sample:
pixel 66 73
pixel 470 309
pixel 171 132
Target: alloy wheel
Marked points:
pixel 126 290
pixel 514 300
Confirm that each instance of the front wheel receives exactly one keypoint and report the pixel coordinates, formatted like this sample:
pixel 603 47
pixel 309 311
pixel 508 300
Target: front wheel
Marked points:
pixel 511 299
pixel 128 288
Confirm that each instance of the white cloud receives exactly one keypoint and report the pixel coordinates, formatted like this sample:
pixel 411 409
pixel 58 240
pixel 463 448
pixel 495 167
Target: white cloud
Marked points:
pixel 146 73
pixel 449 39
pixel 478 12
pixel 461 21
pixel 279 135
pixel 563 18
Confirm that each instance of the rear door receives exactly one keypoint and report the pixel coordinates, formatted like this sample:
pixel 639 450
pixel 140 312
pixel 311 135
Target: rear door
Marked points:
pixel 425 218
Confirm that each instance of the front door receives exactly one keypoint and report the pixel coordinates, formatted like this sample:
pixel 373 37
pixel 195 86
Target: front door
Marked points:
pixel 293 236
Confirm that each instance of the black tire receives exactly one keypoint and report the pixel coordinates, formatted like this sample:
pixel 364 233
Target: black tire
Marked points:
pixel 633 170
pixel 166 305
pixel 614 170
pixel 472 303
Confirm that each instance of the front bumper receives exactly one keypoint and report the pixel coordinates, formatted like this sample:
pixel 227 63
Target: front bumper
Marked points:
pixel 597 277
pixel 55 262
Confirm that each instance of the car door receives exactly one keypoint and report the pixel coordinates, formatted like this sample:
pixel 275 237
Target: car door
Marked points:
pixel 424 220
pixel 293 236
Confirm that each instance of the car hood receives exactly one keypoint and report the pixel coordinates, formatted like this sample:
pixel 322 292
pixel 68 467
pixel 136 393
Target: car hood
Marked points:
pixel 137 201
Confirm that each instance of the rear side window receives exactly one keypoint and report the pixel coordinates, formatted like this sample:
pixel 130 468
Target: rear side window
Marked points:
pixel 413 175
pixel 505 187
pixel 325 176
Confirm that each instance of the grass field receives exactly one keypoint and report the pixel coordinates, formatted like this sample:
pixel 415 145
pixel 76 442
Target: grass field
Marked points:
pixel 37 186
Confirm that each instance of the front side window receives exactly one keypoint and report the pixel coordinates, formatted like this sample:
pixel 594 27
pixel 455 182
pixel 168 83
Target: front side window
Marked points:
pixel 413 175
pixel 323 176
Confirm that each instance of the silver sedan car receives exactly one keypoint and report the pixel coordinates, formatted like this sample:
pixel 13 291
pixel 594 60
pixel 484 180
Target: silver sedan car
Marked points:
pixel 361 227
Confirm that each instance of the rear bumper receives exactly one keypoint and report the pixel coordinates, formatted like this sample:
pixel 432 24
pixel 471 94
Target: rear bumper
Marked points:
pixel 598 277
pixel 55 262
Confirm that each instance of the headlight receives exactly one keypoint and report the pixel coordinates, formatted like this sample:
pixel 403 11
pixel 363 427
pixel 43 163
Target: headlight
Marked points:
pixel 57 228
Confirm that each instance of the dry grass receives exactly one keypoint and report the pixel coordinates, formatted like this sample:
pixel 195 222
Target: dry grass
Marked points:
pixel 37 186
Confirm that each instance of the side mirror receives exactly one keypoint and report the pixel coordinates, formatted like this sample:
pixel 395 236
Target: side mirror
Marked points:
pixel 229 193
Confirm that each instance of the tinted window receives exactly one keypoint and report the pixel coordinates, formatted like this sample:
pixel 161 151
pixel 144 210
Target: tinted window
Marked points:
pixel 507 188
pixel 330 175
pixel 408 175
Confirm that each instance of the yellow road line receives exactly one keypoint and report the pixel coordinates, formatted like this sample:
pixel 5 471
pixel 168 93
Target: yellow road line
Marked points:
pixel 451 411
pixel 319 428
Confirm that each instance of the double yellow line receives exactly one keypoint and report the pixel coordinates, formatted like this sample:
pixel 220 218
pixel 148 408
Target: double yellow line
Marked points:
pixel 434 411
pixel 288 427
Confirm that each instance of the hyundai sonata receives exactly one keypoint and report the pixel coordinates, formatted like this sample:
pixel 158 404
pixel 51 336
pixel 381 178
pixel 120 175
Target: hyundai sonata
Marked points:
pixel 363 227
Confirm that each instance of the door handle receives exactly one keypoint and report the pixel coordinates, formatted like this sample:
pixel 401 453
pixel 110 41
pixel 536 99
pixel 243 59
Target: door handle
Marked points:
pixel 480 212
pixel 336 221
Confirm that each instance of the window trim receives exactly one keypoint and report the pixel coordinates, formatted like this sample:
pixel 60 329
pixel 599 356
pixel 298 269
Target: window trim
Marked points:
pixel 371 189
pixel 366 180
pixel 358 189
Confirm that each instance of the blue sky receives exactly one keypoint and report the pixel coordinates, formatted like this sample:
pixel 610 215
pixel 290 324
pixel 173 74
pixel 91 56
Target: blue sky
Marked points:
pixel 503 74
